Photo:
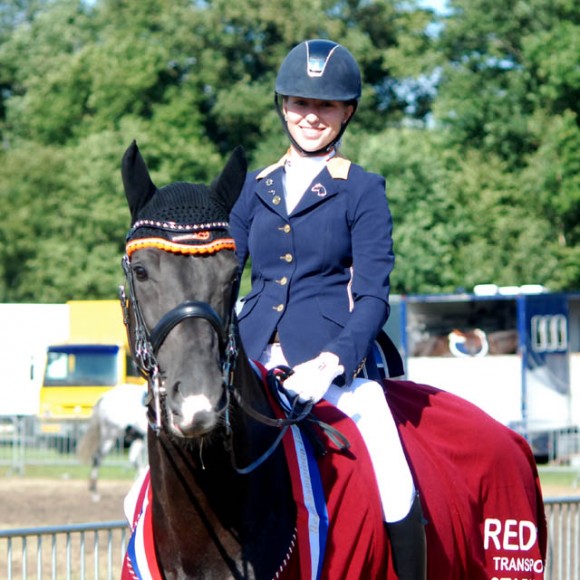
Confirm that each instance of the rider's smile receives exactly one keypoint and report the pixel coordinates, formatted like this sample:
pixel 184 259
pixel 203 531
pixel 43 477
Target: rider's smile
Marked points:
pixel 314 123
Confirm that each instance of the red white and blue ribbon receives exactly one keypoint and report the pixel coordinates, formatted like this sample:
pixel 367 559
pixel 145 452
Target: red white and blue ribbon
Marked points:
pixel 140 561
pixel 308 491
pixel 312 515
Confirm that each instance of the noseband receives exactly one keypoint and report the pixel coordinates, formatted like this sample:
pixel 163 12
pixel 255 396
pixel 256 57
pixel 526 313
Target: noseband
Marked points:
pixel 148 342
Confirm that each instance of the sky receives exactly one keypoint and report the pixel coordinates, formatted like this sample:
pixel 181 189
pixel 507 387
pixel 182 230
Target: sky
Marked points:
pixel 437 5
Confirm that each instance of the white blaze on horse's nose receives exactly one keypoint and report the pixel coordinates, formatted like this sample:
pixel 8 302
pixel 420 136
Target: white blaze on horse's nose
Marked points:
pixel 195 404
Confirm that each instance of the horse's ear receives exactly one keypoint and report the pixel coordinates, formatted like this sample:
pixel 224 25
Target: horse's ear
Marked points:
pixel 228 185
pixel 139 188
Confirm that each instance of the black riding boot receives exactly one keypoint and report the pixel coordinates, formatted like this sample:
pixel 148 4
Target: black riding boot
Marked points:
pixel 408 544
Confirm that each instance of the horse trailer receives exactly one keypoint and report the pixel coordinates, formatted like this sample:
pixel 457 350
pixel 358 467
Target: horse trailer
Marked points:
pixel 514 352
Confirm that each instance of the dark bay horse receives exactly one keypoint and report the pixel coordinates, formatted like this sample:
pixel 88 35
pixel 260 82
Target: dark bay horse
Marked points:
pixel 221 500
pixel 209 519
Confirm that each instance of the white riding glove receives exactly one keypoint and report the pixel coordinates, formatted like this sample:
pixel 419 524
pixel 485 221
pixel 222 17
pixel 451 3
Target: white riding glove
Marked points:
pixel 311 379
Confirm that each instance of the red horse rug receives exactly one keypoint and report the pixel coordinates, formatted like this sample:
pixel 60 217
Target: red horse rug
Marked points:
pixel 477 479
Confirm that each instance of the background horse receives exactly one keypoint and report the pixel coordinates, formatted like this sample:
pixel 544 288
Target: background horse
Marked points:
pixel 236 488
pixel 120 414
pixel 465 343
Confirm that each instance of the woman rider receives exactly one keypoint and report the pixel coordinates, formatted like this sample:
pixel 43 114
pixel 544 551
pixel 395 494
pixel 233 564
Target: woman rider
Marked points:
pixel 318 230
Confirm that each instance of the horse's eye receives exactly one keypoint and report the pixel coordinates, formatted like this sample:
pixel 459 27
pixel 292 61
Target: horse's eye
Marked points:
pixel 140 273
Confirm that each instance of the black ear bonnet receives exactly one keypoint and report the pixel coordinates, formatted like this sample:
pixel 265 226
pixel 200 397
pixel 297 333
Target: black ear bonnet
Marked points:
pixel 180 214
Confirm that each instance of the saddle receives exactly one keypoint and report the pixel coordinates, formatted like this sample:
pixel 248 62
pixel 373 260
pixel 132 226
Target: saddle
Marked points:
pixel 387 357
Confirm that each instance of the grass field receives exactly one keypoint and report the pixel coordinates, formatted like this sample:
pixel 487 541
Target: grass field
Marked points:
pixel 555 480
pixel 560 481
pixel 107 472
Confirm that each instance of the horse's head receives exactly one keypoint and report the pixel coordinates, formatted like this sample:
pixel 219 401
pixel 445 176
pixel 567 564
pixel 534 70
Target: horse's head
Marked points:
pixel 181 275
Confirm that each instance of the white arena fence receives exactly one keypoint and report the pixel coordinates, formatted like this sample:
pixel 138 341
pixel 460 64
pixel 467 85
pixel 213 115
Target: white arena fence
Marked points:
pixel 95 551
pixel 22 444
pixel 563 558
pixel 71 552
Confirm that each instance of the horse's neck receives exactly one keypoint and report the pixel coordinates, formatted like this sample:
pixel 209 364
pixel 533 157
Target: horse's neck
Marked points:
pixel 203 507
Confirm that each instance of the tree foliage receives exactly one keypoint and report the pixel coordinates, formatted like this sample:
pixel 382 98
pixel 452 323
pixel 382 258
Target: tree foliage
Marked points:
pixel 510 88
pixel 472 117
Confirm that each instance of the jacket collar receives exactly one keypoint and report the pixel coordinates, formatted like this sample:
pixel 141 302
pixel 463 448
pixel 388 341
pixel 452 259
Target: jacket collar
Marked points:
pixel 270 189
pixel 338 167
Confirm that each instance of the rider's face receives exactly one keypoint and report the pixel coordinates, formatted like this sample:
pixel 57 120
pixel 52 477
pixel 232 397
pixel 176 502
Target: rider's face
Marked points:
pixel 314 123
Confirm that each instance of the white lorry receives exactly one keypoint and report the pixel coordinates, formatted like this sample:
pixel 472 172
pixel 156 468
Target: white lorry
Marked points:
pixel 27 330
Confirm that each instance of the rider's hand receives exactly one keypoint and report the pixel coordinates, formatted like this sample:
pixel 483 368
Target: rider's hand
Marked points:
pixel 311 379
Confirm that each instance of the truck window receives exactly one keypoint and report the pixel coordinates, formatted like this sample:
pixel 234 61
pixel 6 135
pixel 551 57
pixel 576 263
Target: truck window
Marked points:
pixel 81 368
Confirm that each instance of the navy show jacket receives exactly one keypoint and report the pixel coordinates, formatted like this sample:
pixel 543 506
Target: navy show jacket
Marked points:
pixel 320 276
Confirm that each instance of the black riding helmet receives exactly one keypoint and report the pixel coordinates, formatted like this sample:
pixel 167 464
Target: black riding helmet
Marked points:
pixel 318 69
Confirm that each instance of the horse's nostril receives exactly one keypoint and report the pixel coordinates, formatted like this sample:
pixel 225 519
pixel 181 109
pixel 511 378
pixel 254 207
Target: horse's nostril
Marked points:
pixel 175 389
pixel 201 423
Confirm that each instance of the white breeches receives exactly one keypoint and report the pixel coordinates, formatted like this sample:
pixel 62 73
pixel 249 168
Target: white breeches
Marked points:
pixel 364 402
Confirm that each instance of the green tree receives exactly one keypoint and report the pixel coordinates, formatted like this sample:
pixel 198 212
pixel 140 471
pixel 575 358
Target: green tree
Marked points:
pixel 506 61
pixel 472 118
pixel 459 217
pixel 48 84
pixel 551 187
pixel 511 88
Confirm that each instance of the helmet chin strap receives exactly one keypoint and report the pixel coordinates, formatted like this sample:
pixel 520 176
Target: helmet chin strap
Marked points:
pixel 320 151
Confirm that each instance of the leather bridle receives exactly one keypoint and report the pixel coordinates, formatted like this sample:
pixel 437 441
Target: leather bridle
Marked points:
pixel 146 344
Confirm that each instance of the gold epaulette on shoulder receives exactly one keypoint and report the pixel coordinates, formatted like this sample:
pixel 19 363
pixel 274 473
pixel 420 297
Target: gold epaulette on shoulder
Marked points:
pixel 267 170
pixel 338 167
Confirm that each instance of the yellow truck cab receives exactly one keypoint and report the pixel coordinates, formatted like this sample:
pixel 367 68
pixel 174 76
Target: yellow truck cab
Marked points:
pixel 95 359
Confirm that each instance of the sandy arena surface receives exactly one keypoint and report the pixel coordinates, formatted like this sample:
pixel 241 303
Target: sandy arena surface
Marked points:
pixel 45 502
